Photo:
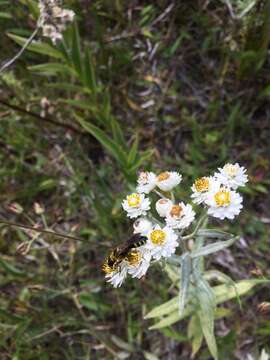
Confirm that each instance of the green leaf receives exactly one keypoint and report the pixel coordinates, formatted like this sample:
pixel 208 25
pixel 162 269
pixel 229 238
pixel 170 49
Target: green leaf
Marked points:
pixel 105 141
pixel 195 334
pixel 164 309
pixel 171 319
pixel 50 69
pixel 5 15
pixel 222 293
pixel 89 72
pixel 133 151
pixel 117 131
pixel 206 313
pixel 212 248
pixel 10 268
pixel 213 233
pixel 186 268
pixel 37 46
pixel 76 51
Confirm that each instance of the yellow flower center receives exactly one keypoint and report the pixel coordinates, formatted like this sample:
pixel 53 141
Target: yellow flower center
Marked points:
pixel 223 198
pixel 134 200
pixel 176 211
pixel 230 170
pixel 163 176
pixel 158 237
pixel 133 257
pixel 202 184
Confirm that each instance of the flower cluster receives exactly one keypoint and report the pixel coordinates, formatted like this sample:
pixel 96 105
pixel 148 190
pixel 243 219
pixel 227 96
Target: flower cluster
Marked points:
pixel 218 193
pixel 160 231
pixel 54 19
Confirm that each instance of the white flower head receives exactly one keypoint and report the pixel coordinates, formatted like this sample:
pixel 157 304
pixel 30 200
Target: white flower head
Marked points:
pixel 135 263
pixel 232 175
pixel 136 205
pixel 167 180
pixel 117 277
pixel 202 187
pixel 162 206
pixel 180 216
pixel 139 262
pixel 142 226
pixel 67 15
pixel 146 182
pixel 162 242
pixel 224 203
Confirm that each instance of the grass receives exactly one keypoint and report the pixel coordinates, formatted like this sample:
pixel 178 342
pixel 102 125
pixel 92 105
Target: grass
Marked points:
pixel 166 85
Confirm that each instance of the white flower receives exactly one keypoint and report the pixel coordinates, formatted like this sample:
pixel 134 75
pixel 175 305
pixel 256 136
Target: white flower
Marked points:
pixel 117 277
pixel 202 187
pixel 161 242
pixel 167 180
pixel 136 205
pixel 67 15
pixel 162 206
pixel 224 203
pixel 142 226
pixel 139 267
pixel 135 263
pixel 180 216
pixel 146 182
pixel 232 175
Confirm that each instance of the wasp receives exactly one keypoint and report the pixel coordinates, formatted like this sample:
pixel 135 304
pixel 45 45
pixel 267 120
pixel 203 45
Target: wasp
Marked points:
pixel 124 252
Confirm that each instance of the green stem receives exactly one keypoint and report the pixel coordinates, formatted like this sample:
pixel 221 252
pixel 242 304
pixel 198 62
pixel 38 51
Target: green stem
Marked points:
pixel 199 223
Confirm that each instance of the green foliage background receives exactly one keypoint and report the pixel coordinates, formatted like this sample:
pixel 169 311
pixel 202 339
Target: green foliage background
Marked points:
pixel 135 85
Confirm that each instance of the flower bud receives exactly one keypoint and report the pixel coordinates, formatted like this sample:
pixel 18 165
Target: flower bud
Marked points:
pixel 142 226
pixel 39 209
pixel 16 208
pixel 163 206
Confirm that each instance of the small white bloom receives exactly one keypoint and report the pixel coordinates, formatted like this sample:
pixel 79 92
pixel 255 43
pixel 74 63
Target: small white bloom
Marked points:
pixel 224 203
pixel 146 182
pixel 180 216
pixel 232 175
pixel 202 187
pixel 142 226
pixel 139 267
pixel 161 242
pixel 67 15
pixel 167 180
pixel 163 206
pixel 136 205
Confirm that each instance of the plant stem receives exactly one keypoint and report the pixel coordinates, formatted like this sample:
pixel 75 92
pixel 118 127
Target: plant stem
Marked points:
pixel 27 43
pixel 9 223
pixel 199 223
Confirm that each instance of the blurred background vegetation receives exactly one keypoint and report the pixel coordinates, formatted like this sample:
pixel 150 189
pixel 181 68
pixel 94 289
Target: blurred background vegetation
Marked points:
pixel 135 85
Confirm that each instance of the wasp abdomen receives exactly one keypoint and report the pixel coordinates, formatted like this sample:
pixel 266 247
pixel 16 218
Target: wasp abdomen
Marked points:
pixel 139 243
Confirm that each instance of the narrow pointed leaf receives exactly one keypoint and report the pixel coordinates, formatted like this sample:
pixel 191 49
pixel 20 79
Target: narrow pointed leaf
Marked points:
pixel 104 139
pixel 89 72
pixel 206 313
pixel 212 248
pixel 184 282
pixel 213 233
pixel 37 46
pixel 76 51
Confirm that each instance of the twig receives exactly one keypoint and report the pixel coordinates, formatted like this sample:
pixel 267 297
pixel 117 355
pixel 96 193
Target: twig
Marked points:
pixel 230 9
pixel 37 116
pixel 27 43
pixel 10 223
